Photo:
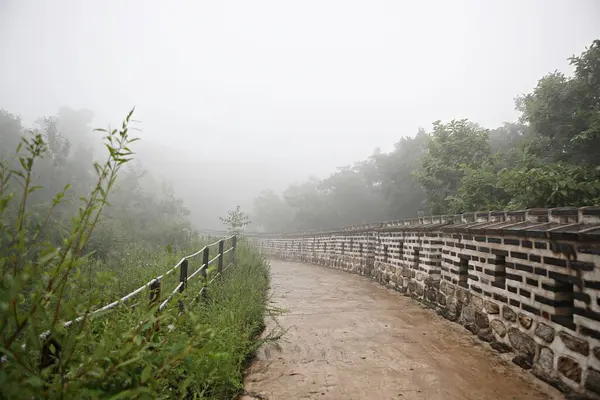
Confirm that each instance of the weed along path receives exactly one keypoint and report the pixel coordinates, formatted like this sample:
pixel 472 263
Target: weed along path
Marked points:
pixel 350 338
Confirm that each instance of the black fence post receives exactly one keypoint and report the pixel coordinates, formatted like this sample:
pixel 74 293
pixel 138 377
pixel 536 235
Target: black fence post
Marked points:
pixel 50 354
pixel 205 264
pixel 233 246
pixel 183 276
pixel 154 292
pixel 220 261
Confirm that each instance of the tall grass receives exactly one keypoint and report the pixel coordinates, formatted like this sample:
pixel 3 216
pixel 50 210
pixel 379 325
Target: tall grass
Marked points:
pixel 134 351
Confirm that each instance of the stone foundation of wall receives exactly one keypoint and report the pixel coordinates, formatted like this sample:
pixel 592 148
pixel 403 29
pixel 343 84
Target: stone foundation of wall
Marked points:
pixel 524 281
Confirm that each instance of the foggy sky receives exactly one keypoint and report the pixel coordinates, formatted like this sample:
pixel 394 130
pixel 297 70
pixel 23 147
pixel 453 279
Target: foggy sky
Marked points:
pixel 273 91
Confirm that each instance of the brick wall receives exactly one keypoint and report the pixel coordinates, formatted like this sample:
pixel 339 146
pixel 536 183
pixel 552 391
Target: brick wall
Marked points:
pixel 524 281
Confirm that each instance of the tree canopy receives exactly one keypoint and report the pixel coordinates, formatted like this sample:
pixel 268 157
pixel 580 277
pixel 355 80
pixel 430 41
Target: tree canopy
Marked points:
pixel 549 158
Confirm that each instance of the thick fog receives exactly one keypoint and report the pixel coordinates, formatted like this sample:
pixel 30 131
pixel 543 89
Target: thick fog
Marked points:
pixel 234 97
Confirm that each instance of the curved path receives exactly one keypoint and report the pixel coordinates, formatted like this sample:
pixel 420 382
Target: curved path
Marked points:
pixel 351 338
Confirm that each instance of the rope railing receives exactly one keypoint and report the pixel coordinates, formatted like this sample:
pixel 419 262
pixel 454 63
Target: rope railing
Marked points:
pixel 155 284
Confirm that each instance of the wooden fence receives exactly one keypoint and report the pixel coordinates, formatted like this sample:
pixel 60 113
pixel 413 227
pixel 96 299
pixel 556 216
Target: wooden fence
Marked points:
pixel 51 348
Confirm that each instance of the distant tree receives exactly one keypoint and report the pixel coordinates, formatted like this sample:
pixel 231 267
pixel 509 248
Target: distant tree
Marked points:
pixel 272 213
pixel 236 221
pixel 402 194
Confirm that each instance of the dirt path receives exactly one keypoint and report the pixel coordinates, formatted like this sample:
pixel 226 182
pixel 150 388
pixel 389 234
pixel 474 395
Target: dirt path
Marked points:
pixel 350 338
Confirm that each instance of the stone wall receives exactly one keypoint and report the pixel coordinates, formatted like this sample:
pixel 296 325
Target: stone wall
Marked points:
pixel 524 281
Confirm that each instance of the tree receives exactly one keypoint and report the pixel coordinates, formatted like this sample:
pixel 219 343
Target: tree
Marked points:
pixel 565 112
pixel 400 190
pixel 272 213
pixel 450 149
pixel 236 221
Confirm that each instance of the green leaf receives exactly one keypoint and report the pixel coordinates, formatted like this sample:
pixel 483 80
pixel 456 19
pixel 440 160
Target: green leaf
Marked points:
pixel 146 373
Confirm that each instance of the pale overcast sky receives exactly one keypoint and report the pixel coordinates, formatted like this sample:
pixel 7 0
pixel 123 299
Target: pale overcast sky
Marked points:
pixel 298 87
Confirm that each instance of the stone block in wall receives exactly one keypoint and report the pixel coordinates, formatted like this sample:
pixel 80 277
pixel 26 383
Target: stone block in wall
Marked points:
pixel 491 307
pixel 508 314
pixel 575 344
pixel 525 321
pixel 498 327
pixel 569 368
pixel 545 332
pixel 546 359
pixel 592 380
pixel 521 342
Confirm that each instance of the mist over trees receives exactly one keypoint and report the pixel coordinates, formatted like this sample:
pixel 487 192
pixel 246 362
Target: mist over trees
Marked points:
pixel 550 157
pixel 143 212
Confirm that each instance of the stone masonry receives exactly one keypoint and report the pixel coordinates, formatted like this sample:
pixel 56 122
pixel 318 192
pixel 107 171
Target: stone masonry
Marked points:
pixel 524 281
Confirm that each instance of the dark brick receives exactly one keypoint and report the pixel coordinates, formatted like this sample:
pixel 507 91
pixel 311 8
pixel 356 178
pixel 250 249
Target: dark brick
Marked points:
pixel 471 247
pixel 514 277
pixel 494 240
pixel 476 289
pixel 514 242
pixel 478 269
pixel 497 261
pixel 541 271
pixel 518 254
pixel 531 309
pixel 474 277
pixel 463 284
pixel 480 238
pixel 592 284
pixel 514 303
pixel 525 293
pixel 488 294
pixel 494 272
pixel 500 298
pixel 587 249
pixel 565 278
pixel 526 243
pixel 531 282
pixel 582 297
pixel 464 256
pixel 459 245
pixel 474 258
pixel 587 313
pixel 541 245
pixel 582 266
pixel 523 267
pixel 483 249
pixel 555 261
pixel 589 332
pixel 499 252
pixel 511 289
pixel 552 302
pixel 510 265
pixel 467 237
pixel 535 258
pixel 500 284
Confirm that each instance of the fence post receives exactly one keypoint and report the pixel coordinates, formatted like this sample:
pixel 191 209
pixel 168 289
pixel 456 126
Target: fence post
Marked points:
pixel 50 354
pixel 233 246
pixel 183 276
pixel 154 292
pixel 220 261
pixel 205 263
